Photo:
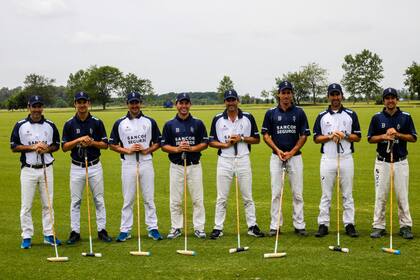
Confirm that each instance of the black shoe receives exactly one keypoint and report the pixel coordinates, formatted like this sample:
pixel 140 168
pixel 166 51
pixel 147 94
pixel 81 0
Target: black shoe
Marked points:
pixel 351 231
pixel 255 231
pixel 378 232
pixel 103 235
pixel 273 232
pixel 216 233
pixel 322 231
pixel 301 232
pixel 74 237
pixel 406 233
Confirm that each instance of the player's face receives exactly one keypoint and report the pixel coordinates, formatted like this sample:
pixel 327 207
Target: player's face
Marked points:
pixel 134 107
pixel 335 99
pixel 285 97
pixel 231 104
pixel 36 111
pixel 82 106
pixel 390 102
pixel 183 108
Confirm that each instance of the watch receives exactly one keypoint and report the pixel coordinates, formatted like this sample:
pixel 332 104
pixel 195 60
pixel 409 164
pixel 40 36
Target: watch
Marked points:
pixel 242 139
pixel 346 135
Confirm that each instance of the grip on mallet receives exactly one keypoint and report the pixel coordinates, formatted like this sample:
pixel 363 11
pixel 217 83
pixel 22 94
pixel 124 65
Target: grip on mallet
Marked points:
pixel 237 250
pixel 391 251
pixel 339 249
pixel 98 255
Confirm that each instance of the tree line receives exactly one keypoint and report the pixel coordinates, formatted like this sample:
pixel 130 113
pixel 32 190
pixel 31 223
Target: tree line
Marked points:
pixel 106 85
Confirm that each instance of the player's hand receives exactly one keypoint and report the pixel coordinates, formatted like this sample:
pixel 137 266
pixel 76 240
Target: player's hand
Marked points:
pixel 280 154
pixel 287 155
pixel 184 146
pixel 392 133
pixel 233 139
pixel 135 148
pixel 85 141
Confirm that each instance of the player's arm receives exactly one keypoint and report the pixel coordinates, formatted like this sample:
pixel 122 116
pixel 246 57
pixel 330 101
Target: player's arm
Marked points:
pixel 299 144
pixel 219 145
pixel 151 149
pixel 269 141
pixel 68 146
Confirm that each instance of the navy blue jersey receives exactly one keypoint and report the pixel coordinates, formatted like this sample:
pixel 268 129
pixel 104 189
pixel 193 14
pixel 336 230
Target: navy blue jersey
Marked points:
pixel 177 130
pixel 75 128
pixel 344 120
pixel 222 128
pixel 285 127
pixel 128 131
pixel 26 132
pixel 401 122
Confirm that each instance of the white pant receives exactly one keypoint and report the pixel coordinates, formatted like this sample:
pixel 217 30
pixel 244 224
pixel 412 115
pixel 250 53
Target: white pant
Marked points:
pixel 225 172
pixel 294 168
pixel 128 178
pixel 328 170
pixel 195 187
pixel 77 186
pixel 382 184
pixel 30 178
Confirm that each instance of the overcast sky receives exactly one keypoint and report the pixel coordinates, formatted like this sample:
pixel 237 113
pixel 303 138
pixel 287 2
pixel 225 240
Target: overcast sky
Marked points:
pixel 189 45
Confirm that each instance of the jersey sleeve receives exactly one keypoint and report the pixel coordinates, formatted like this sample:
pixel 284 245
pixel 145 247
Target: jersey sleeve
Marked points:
pixel 317 127
pixel 166 135
pixel 254 128
pixel 155 133
pixel 202 133
pixel 213 132
pixel 267 124
pixel 114 138
pixel 372 127
pixel 14 138
pixel 304 125
pixel 101 132
pixel 355 126
pixel 56 136
pixel 411 128
pixel 66 137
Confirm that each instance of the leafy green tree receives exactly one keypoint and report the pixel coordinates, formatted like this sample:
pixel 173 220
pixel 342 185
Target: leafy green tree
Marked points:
pixel 35 84
pixel 315 77
pixel 412 80
pixel 225 84
pixel 77 82
pixel 132 83
pixel 363 73
pixel 300 84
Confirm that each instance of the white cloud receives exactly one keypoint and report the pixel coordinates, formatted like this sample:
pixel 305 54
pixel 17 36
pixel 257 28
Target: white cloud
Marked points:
pixel 42 8
pixel 82 37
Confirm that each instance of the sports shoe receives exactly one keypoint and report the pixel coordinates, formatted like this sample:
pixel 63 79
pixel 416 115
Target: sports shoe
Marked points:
pixel 103 235
pixel 26 243
pixel 50 240
pixel 351 231
pixel 378 232
pixel 200 234
pixel 301 232
pixel 123 236
pixel 174 233
pixel 154 233
pixel 406 233
pixel 273 232
pixel 74 237
pixel 216 233
pixel 255 231
pixel 322 231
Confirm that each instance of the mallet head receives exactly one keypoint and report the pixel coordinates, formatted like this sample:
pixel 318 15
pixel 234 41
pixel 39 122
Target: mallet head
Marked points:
pixel 391 251
pixel 274 255
pixel 239 249
pixel 98 255
pixel 186 252
pixel 339 249
pixel 58 259
pixel 140 253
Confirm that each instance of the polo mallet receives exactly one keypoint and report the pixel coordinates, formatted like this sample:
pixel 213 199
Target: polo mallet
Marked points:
pixel 56 258
pixel 185 251
pixel 389 150
pixel 239 248
pixel 338 248
pixel 275 254
pixel 139 252
pixel 91 253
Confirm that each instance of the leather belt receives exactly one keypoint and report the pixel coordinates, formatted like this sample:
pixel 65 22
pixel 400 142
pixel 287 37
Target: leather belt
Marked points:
pixel 380 158
pixel 191 162
pixel 36 166
pixel 82 164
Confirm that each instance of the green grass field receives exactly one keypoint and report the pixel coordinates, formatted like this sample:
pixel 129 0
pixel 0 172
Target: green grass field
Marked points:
pixel 307 258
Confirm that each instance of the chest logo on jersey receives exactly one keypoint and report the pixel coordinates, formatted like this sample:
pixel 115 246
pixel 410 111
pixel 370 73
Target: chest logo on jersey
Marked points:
pixel 127 129
pixel 136 139
pixel 192 129
pixel 279 118
pixel 294 118
pixel 77 130
pixel 382 125
pixel 28 133
pixel 177 129
pixel 398 126
pixel 90 131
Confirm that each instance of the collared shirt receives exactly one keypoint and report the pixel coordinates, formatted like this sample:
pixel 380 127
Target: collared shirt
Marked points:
pixel 138 130
pixel 344 120
pixel 75 128
pixel 222 128
pixel 27 132
pixel 401 121
pixel 177 130
pixel 285 127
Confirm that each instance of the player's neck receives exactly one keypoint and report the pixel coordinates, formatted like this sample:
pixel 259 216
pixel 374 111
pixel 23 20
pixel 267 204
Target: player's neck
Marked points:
pixel 233 115
pixel 285 106
pixel 82 116
pixel 391 111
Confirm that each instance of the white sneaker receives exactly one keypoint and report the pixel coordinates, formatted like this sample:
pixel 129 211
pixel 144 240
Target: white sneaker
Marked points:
pixel 200 234
pixel 174 233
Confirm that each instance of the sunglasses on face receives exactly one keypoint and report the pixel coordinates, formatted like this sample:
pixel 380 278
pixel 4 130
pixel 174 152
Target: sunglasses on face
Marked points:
pixel 231 99
pixel 134 102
